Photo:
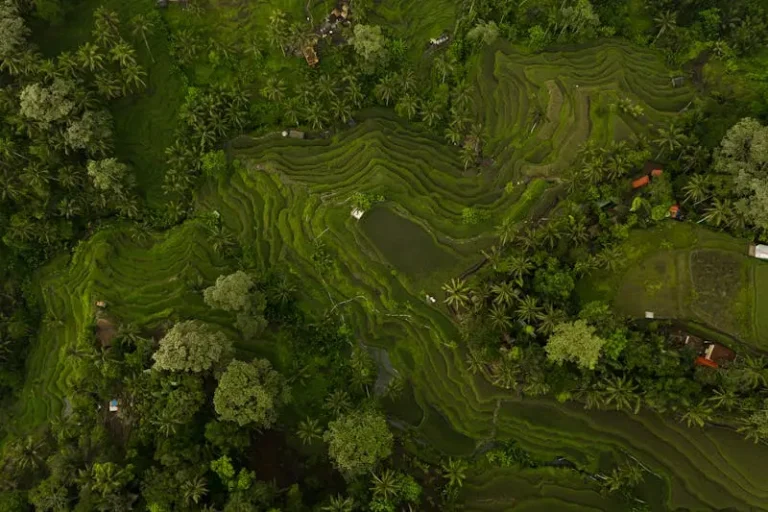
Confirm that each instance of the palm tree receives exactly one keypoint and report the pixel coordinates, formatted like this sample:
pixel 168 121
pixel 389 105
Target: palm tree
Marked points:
pixel 337 402
pixel 291 111
pixel 455 471
pixel 315 116
pixel 407 81
pixel 325 86
pixel 505 293
pixel 309 430
pixel 528 310
pixel 141 26
pixel 698 415
pixel 108 86
pixel 274 89
pixel 548 318
pixel 719 212
pixel 430 113
pixel 355 94
pixel 27 453
pixel 476 360
pixel 386 485
pixel 621 392
pixel 468 156
pixel 666 21
pixel 519 266
pixel 697 189
pixel 339 503
pixel 617 167
pixel 724 399
pixel 193 490
pixel 278 29
pixel 442 67
pixel 551 234
pixel 499 318
pixel 669 139
pixel 90 57
pixel 454 135
pixel 385 89
pixel 341 109
pixel 755 426
pixel 456 293
pixel 527 239
pixel 132 75
pixel 407 106
pixel 123 54
pixel 592 397
pixel 752 371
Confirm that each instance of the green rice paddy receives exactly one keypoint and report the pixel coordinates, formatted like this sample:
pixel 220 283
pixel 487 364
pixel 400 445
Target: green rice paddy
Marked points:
pixel 683 271
pixel 288 195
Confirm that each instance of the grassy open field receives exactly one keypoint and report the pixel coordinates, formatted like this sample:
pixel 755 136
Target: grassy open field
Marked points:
pixel 684 271
pixel 537 109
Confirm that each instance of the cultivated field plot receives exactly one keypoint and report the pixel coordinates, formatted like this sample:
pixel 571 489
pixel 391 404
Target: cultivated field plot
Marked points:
pixel 289 200
pixel 538 109
pixel 689 273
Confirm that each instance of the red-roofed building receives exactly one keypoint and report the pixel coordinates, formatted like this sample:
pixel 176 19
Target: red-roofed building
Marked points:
pixel 641 182
pixel 656 173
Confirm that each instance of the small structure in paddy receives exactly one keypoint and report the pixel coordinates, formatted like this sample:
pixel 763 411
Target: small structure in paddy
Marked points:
pixel 358 213
pixel 759 251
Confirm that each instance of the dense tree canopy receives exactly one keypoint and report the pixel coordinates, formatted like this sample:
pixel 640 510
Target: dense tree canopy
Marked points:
pixel 575 342
pixel 192 346
pixel 357 441
pixel 250 394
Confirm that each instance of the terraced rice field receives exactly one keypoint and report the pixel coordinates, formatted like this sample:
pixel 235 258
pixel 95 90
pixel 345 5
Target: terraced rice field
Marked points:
pixel 288 195
pixel 689 273
pixel 538 109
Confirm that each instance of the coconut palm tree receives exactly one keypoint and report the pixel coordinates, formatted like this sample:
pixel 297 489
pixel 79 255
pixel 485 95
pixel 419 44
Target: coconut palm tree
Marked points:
pixel 386 485
pixel 752 371
pixel 123 54
pixel 339 503
pixel 355 94
pixel 697 188
pixel 142 26
pixel 476 360
pixel 277 29
pixel 468 156
pixel 309 430
pixel 315 116
pixel 274 89
pixel 291 111
pixel 456 293
pixel 551 234
pixel 454 135
pixel 108 86
pixel 341 109
pixel 455 471
pixel 133 77
pixel 548 318
pixel 719 212
pixel 385 89
pixel 697 415
pixel 193 490
pixel 442 67
pixel 724 399
pixel 325 86
pixel 337 402
pixel 499 318
pixel 407 81
pixel 669 139
pixel 505 293
pixel 666 21
pixel 528 310
pixel 620 392
pixel 430 113
pixel 90 56
pixel 519 266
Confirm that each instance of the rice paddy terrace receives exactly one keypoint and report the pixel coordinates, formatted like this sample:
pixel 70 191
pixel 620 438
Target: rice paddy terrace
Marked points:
pixel 289 198
pixel 538 109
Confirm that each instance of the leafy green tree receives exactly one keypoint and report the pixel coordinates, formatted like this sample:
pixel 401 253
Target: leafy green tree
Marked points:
pixel 192 346
pixel 484 32
pixel 50 494
pixel 743 155
pixel 48 104
pixel 370 44
pixel 214 164
pixel 231 293
pixel 92 132
pixel 358 440
pixel 13 29
pixel 575 342
pixel 109 175
pixel 250 394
